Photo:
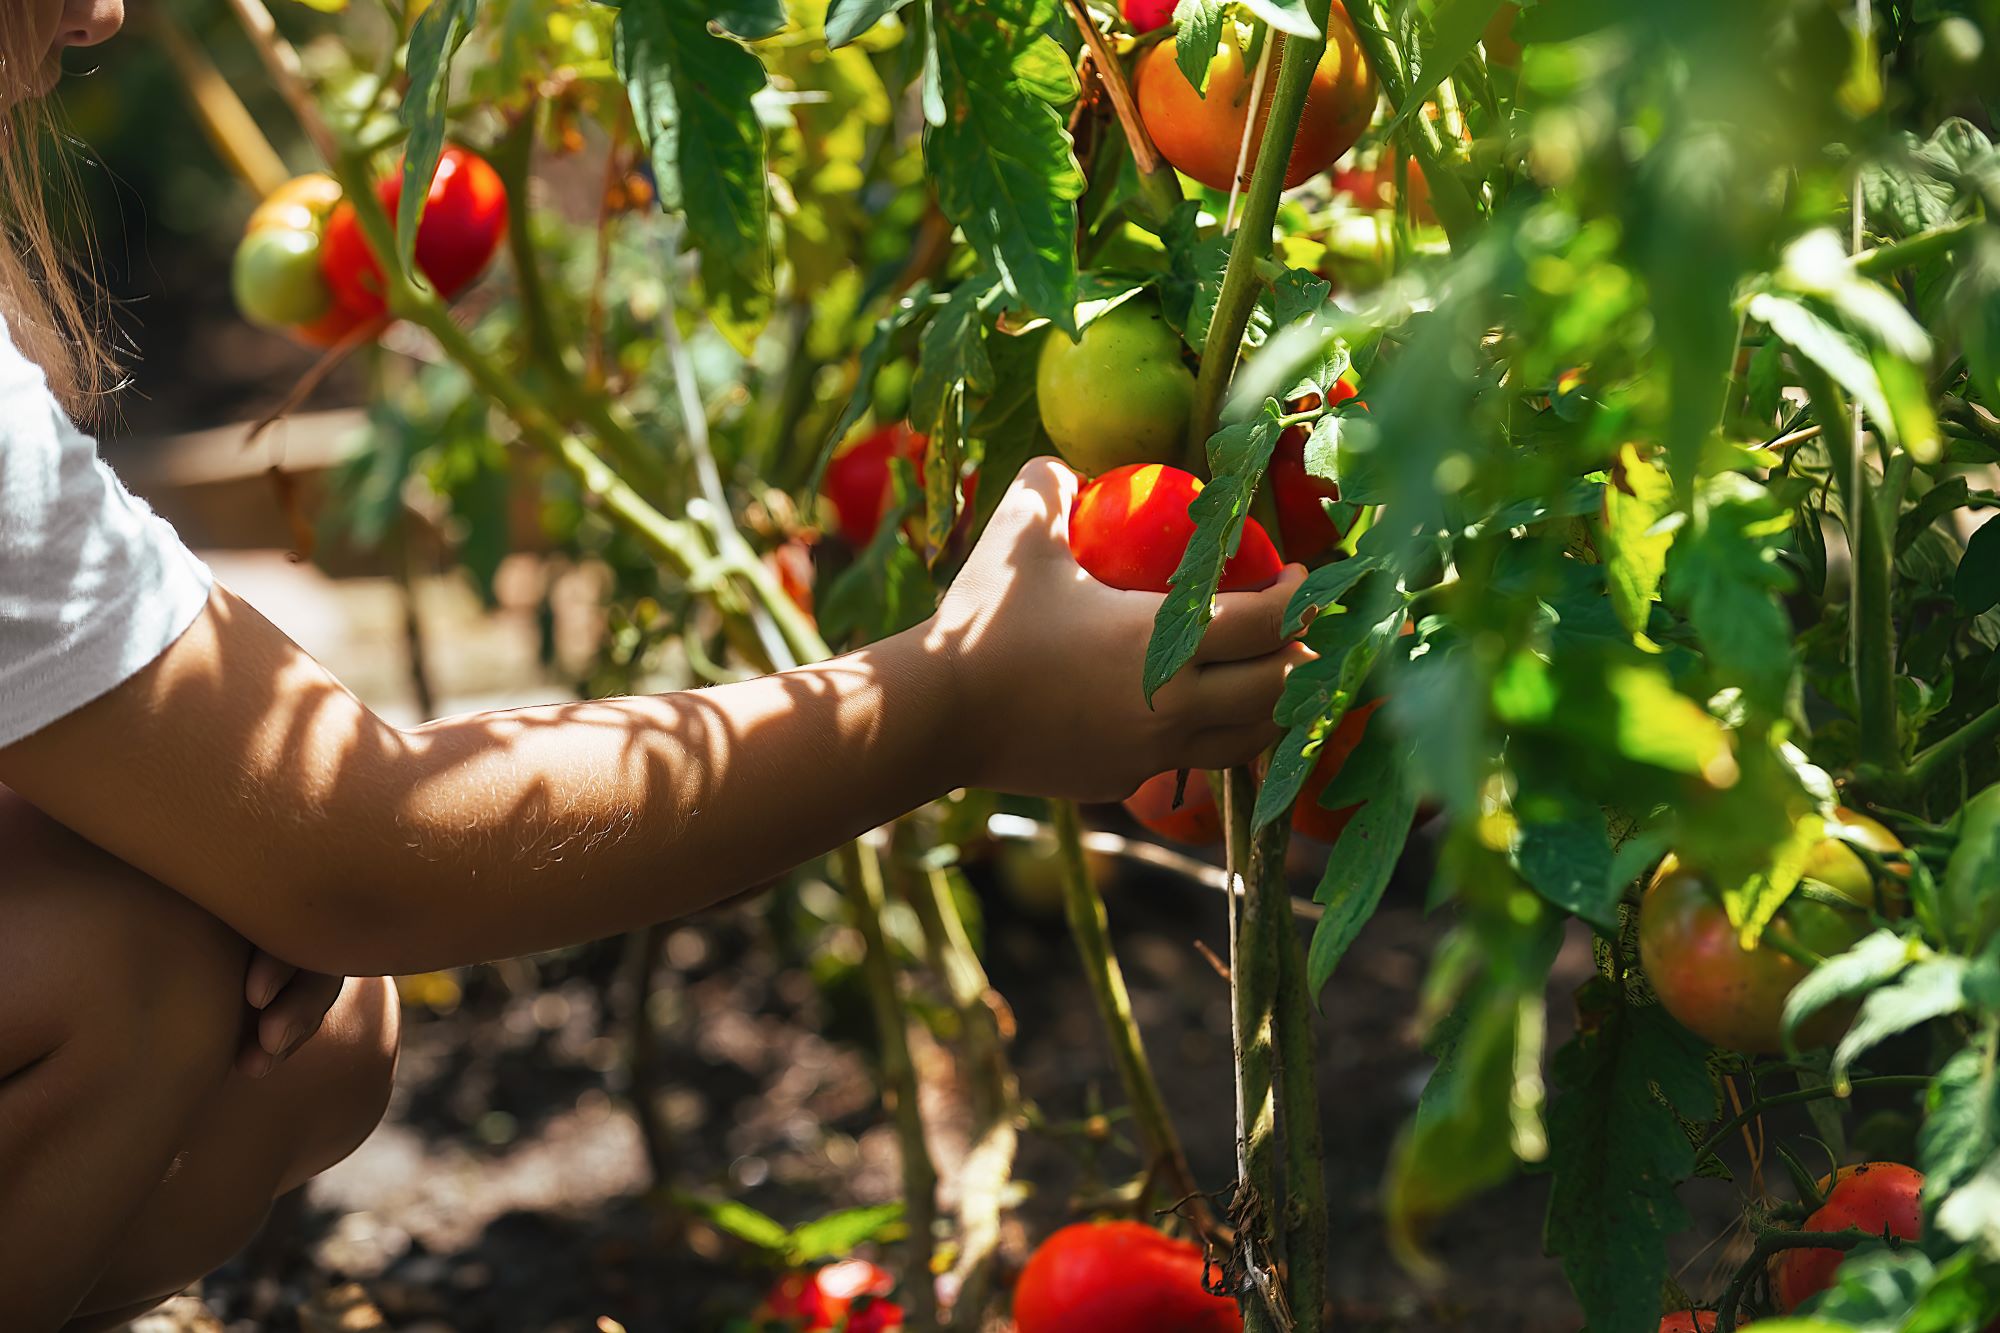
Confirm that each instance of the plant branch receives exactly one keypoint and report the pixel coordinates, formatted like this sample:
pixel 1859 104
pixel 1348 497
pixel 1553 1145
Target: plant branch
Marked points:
pixel 512 158
pixel 1925 245
pixel 288 73
pixel 1419 134
pixel 1092 932
pixel 1158 186
pixel 1252 243
pixel 1771 1243
pixel 863 875
pixel 1932 758
pixel 229 124
pixel 1253 986
pixel 1305 1153
pixel 1757 1108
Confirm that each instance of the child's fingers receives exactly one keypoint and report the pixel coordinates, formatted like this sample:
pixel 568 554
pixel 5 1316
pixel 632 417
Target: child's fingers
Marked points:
pixel 266 978
pixel 1249 624
pixel 289 1021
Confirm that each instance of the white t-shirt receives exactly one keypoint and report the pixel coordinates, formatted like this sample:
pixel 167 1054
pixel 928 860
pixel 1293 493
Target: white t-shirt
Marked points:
pixel 93 584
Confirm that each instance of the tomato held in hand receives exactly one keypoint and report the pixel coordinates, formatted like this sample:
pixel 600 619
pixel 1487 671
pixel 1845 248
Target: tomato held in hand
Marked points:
pixel 1146 15
pixel 1130 527
pixel 1120 394
pixel 851 1290
pixel 1198 820
pixel 1309 818
pixel 1876 1197
pixel 1202 136
pixel 1689 1321
pixel 465 219
pixel 1736 999
pixel 1118 1277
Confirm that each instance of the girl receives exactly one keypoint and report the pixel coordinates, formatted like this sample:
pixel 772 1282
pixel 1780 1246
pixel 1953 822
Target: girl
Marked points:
pixel 210 851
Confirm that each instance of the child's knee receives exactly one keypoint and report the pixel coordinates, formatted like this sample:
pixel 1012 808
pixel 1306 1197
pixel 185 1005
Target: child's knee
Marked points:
pixel 347 1072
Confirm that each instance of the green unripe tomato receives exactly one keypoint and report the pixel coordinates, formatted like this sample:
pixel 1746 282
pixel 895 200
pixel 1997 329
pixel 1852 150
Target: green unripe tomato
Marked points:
pixel 1118 396
pixel 277 281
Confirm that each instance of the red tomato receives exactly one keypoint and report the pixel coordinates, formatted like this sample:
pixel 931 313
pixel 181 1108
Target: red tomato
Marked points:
pixel 1146 15
pixel 1309 818
pixel 465 219
pixel 792 562
pixel 1689 1321
pixel 1118 1277
pixel 1130 527
pixel 1202 135
pixel 850 1290
pixel 1876 1197
pixel 857 480
pixel 1197 822
pixel 1303 527
pixel 334 326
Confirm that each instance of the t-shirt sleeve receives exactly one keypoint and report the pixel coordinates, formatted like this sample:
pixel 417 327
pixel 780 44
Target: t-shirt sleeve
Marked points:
pixel 93 584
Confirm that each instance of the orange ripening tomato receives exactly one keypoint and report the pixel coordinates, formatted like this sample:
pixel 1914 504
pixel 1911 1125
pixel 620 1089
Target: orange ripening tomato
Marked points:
pixel 1118 1277
pixel 464 221
pixel 1202 136
pixel 1197 822
pixel 1130 527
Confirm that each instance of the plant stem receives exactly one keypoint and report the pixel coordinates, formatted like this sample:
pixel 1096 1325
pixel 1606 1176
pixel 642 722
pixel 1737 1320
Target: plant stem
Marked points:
pixel 1092 931
pixel 1253 977
pixel 1771 1243
pixel 1755 1109
pixel 863 875
pixel 1874 640
pixel 230 126
pixel 1305 1153
pixel 1934 757
pixel 1252 243
pixel 287 72
pixel 512 157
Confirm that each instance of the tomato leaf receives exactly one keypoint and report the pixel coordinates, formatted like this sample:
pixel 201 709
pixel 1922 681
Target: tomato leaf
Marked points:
pixel 1619 1153
pixel 1961 1131
pixel 1325 586
pixel 997 148
pixel 738 1219
pixel 913 306
pixel 1453 28
pixel 691 97
pixel 1939 500
pixel 848 19
pixel 1637 539
pixel 1358 870
pixel 1976 587
pixel 749 19
pixel 837 1234
pixel 1724 573
pixel 1198 28
pixel 1873 961
pixel 433 42
pixel 1569 863
pixel 1930 989
pixel 1238 455
pixel 1009 424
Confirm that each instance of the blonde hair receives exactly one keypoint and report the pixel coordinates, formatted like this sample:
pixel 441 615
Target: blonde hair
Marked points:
pixel 56 314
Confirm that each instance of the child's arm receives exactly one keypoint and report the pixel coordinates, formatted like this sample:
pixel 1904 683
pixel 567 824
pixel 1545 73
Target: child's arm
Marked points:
pixel 238 771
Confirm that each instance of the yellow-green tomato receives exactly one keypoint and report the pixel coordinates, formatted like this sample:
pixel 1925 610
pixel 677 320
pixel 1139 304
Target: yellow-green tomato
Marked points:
pixel 1119 395
pixel 277 279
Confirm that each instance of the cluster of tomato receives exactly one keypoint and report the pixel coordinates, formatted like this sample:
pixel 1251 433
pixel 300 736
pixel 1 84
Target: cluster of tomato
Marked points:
pixel 305 268
pixel 1093 1277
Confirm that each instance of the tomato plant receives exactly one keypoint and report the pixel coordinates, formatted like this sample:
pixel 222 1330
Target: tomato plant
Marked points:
pixel 1118 1277
pixel 1667 540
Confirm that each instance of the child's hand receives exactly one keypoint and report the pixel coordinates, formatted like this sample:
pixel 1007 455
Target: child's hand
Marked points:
pixel 288 1007
pixel 1049 663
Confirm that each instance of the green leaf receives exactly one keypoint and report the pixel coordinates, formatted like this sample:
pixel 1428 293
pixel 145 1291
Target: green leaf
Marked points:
pixel 1238 455
pixel 1831 349
pixel 1874 960
pixel 1358 870
pixel 1971 1213
pixel 1324 587
pixel 691 97
pixel 1636 539
pixel 1976 587
pixel 434 41
pixel 1288 16
pixel 1453 29
pixel 1619 1153
pixel 1725 574
pixel 836 1234
pixel 1939 500
pixel 1929 989
pixel 750 19
pixel 738 1219
pixel 914 305
pixel 1961 1130
pixel 1198 28
pixel 848 19
pixel 997 147
pixel 1569 863
pixel 951 353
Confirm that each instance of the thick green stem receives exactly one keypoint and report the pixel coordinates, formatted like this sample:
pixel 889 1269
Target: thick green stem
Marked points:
pixel 1305 1152
pixel 1931 760
pixel 1240 281
pixel 1254 991
pixel 512 158
pixel 1872 555
pixel 1092 931
pixel 863 875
